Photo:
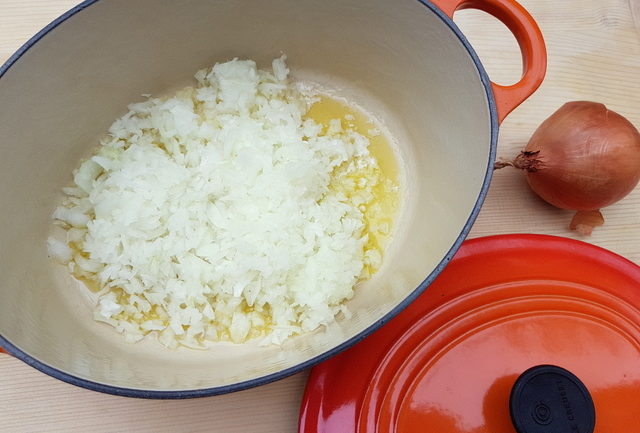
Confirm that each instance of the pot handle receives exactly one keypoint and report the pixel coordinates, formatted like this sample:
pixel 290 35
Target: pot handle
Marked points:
pixel 529 37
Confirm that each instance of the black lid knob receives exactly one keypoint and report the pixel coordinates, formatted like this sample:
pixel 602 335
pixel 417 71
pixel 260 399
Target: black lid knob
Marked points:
pixel 550 399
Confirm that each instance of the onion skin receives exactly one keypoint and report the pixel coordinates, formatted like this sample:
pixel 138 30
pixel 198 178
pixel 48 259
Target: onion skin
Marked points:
pixel 583 157
pixel 584 221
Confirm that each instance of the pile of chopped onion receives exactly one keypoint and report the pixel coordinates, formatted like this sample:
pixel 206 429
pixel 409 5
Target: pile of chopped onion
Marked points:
pixel 221 213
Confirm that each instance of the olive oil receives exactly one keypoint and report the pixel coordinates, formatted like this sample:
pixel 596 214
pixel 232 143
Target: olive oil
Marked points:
pixel 328 108
pixel 380 179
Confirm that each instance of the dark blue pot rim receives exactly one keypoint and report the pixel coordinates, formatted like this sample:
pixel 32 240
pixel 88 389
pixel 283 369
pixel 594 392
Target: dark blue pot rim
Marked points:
pixel 205 392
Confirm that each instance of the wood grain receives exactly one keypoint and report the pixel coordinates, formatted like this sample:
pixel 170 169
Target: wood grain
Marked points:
pixel 594 54
pixel 33 402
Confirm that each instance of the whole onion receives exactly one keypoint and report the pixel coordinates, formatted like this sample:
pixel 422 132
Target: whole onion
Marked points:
pixel 583 157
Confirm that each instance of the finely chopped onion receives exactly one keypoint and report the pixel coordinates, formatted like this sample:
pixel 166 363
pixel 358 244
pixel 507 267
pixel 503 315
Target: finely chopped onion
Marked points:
pixel 223 213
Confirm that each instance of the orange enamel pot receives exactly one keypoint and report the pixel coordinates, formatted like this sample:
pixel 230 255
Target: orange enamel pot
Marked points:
pixel 405 61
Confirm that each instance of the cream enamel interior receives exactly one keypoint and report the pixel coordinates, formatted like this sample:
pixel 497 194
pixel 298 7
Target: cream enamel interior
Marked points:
pixel 396 59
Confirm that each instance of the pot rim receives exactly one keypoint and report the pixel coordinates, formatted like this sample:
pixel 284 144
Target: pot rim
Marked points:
pixel 263 380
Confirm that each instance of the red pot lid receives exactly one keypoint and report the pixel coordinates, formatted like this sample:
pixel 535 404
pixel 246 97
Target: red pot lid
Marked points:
pixel 450 361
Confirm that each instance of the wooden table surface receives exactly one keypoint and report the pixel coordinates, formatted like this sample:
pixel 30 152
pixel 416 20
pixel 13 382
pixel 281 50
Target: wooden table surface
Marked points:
pixel 594 54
